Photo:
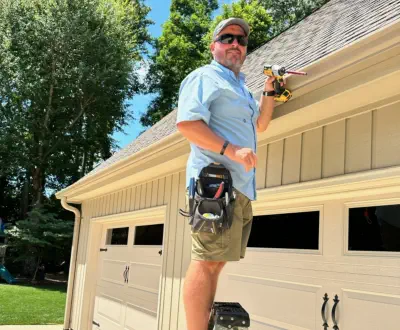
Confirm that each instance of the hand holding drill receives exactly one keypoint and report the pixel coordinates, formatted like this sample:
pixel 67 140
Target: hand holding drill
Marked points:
pixel 276 81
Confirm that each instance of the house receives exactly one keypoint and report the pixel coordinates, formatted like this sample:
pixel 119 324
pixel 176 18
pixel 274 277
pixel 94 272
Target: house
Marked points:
pixel 328 178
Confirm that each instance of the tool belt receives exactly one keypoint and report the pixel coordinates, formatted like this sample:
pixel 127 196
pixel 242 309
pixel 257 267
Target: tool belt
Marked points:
pixel 211 200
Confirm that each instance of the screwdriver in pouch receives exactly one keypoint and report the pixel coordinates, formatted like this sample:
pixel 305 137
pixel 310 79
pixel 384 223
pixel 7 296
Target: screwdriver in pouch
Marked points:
pixel 220 190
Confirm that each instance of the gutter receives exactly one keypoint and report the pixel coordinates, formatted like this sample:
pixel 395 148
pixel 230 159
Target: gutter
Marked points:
pixel 164 144
pixel 72 266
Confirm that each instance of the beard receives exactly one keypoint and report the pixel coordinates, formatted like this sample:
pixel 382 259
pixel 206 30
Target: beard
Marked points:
pixel 234 62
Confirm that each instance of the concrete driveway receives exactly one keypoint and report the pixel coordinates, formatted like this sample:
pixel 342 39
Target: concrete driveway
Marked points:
pixel 31 327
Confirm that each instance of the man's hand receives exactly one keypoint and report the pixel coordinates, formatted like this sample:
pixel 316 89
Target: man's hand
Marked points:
pixel 244 156
pixel 269 84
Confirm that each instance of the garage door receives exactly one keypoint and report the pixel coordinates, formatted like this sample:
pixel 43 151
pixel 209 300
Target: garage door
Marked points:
pixel 129 270
pixel 342 249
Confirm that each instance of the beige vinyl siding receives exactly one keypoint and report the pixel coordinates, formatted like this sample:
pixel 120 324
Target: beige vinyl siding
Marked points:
pixel 334 146
pixel 274 164
pixel 363 142
pixel 261 166
pixel 311 155
pixel 291 157
pixel 358 143
pixel 386 137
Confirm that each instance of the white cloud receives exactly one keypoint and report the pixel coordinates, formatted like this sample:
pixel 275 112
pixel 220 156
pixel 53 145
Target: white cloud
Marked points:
pixel 142 69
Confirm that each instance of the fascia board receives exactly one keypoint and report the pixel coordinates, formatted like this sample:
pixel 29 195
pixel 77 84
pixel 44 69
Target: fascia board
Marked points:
pixel 163 146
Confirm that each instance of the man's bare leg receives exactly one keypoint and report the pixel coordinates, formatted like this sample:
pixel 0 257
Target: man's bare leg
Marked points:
pixel 199 292
pixel 215 283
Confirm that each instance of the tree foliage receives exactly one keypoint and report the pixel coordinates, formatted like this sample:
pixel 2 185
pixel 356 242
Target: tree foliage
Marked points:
pixel 39 237
pixel 67 68
pixel 179 50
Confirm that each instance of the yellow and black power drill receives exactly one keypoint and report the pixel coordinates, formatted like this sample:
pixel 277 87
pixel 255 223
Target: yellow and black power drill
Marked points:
pixel 277 71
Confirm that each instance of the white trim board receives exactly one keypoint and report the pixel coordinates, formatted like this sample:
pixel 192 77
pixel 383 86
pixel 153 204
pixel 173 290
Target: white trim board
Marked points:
pixel 152 213
pixel 368 183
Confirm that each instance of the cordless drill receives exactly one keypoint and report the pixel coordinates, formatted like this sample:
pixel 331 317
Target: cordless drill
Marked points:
pixel 277 71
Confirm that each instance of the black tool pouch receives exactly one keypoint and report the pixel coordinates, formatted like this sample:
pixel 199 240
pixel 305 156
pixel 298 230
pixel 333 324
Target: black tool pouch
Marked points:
pixel 210 206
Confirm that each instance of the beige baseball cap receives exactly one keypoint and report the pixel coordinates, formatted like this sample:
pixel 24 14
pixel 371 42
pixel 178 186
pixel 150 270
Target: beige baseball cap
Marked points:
pixel 232 21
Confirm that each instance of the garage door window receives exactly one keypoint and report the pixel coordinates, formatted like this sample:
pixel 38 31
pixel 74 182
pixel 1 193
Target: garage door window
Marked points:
pixel 149 235
pixel 374 228
pixel 286 231
pixel 117 236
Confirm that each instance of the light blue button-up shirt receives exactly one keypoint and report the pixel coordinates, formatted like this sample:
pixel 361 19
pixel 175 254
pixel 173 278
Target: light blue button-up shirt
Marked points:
pixel 213 94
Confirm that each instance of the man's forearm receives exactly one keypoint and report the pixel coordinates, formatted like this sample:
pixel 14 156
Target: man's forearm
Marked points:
pixel 198 133
pixel 201 135
pixel 267 104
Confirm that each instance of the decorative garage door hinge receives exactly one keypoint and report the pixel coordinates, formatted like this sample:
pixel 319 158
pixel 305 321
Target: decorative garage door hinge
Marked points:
pixel 103 250
pixel 96 324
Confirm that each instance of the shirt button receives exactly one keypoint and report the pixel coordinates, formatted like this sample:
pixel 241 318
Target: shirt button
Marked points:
pixel 244 120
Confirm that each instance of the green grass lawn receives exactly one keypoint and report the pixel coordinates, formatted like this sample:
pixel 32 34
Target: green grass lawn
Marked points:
pixel 28 304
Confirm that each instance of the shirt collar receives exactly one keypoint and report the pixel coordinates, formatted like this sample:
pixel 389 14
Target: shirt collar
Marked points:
pixel 242 76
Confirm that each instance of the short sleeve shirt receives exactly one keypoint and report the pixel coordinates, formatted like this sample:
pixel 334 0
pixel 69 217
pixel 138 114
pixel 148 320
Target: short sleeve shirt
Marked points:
pixel 215 95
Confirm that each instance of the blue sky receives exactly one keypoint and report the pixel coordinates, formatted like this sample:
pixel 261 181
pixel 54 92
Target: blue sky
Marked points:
pixel 159 14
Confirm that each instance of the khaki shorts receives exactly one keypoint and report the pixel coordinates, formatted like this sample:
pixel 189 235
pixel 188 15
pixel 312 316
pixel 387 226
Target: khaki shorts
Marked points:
pixel 231 244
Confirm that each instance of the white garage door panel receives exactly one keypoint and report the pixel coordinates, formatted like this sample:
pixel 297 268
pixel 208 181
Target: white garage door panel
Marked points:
pixel 263 323
pixel 145 276
pixel 105 325
pixel 148 254
pixel 279 301
pixel 369 310
pixel 138 318
pixel 108 310
pixel 113 272
pixel 146 300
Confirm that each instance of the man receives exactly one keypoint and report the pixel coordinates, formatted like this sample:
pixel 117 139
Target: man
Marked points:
pixel 218 115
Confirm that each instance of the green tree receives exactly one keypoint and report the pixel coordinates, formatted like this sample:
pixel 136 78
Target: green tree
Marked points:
pixel 39 237
pixel 66 69
pixel 179 50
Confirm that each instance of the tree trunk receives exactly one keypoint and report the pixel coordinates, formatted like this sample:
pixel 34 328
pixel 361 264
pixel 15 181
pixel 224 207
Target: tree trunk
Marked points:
pixel 25 196
pixel 84 162
pixel 37 185
pixel 3 183
pixel 38 262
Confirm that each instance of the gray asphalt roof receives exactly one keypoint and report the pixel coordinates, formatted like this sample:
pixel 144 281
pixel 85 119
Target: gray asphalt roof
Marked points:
pixel 335 25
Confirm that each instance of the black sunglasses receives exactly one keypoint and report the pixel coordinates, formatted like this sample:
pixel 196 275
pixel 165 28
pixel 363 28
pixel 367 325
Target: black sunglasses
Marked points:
pixel 229 38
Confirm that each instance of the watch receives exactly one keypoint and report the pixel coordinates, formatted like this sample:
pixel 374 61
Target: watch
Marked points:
pixel 224 147
pixel 269 93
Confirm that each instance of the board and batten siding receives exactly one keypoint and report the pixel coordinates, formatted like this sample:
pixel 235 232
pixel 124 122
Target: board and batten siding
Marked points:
pixel 168 191
pixel 360 143
pixel 370 140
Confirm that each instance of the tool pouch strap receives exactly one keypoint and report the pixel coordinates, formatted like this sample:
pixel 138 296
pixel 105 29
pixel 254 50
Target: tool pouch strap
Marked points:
pixel 208 212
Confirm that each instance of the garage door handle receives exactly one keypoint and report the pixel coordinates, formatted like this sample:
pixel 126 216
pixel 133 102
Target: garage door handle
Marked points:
pixel 325 325
pixel 336 300
pixel 160 252
pixel 124 275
